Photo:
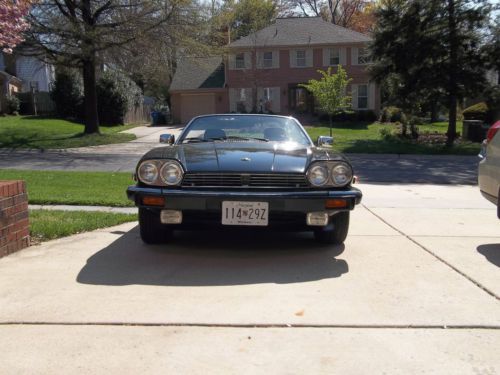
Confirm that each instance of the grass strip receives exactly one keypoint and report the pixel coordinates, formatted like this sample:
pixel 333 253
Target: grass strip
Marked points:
pixel 366 138
pixel 74 188
pixel 41 132
pixel 48 225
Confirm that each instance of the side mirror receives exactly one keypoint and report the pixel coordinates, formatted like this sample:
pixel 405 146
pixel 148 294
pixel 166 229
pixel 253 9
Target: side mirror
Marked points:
pixel 324 140
pixel 167 138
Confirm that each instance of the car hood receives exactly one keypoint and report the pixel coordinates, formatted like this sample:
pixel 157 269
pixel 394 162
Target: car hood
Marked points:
pixel 256 157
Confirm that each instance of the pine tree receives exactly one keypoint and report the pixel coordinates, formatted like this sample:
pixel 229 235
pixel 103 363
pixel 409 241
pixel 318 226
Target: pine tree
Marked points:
pixel 430 47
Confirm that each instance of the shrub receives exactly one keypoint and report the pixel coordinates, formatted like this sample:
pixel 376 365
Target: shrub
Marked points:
pixel 12 105
pixel 366 115
pixel 477 111
pixel 116 94
pixel 67 94
pixel 392 114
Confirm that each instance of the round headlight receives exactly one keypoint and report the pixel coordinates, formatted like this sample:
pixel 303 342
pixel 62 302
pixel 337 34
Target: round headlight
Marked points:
pixel 171 173
pixel 341 174
pixel 317 175
pixel 147 172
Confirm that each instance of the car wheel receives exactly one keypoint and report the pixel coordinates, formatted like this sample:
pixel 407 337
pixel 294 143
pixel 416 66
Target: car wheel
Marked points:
pixel 338 233
pixel 151 229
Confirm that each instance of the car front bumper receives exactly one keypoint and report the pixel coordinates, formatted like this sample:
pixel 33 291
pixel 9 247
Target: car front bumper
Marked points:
pixel 287 209
pixel 285 201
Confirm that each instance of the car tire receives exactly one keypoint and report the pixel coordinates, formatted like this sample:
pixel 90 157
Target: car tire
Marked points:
pixel 338 233
pixel 151 229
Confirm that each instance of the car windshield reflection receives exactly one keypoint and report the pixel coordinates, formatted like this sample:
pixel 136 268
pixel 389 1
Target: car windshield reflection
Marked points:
pixel 234 128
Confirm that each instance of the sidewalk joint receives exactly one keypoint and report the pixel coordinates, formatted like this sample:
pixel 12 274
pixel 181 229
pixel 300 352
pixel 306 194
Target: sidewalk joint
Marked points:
pixel 478 284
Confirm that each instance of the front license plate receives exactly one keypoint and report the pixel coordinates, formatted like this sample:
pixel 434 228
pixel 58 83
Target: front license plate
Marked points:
pixel 245 213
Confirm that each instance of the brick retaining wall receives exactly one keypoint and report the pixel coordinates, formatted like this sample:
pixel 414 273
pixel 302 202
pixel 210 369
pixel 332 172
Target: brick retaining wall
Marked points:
pixel 14 222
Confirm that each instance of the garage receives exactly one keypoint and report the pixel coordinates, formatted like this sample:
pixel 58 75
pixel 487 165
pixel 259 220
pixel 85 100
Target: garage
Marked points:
pixel 196 104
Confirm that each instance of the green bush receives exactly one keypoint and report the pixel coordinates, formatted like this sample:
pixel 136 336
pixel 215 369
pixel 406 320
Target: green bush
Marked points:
pixel 477 111
pixel 12 104
pixel 392 114
pixel 67 94
pixel 366 115
pixel 116 94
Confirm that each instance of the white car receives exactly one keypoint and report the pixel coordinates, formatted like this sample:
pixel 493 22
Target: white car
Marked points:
pixel 489 167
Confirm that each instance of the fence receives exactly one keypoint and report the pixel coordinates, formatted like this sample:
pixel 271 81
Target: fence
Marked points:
pixel 39 100
pixel 44 104
pixel 140 114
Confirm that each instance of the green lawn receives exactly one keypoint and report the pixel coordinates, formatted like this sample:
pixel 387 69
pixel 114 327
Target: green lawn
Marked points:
pixel 39 132
pixel 48 225
pixel 74 188
pixel 366 138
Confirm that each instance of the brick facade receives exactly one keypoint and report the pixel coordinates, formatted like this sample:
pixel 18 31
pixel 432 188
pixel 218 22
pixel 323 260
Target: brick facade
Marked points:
pixel 14 222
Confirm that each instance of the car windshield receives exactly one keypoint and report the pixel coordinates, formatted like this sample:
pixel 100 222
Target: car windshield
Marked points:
pixel 229 128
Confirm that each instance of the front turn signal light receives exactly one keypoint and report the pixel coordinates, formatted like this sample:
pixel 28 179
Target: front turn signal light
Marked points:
pixel 153 201
pixel 335 203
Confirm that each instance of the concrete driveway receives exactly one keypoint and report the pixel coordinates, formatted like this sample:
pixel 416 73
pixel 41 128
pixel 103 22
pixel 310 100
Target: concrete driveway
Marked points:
pixel 415 290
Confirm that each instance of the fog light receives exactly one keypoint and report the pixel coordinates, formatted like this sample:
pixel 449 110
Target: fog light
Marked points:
pixel 318 219
pixel 171 217
pixel 335 203
pixel 153 201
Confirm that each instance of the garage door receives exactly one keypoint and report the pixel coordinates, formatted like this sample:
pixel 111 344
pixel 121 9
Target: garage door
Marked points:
pixel 195 105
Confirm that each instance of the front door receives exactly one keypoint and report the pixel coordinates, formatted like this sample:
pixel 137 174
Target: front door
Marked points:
pixel 300 100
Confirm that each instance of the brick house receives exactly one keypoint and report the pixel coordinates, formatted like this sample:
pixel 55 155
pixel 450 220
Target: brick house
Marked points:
pixel 262 71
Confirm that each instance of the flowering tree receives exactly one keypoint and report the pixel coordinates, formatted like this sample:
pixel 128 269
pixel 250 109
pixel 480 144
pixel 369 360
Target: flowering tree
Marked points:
pixel 13 22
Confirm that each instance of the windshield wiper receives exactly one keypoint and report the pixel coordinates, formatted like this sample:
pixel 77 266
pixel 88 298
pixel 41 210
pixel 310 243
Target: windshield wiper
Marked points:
pixel 244 138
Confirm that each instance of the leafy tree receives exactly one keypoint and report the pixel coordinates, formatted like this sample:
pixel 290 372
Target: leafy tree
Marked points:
pixel 13 22
pixel 431 48
pixel 75 33
pixel 67 94
pixel 330 92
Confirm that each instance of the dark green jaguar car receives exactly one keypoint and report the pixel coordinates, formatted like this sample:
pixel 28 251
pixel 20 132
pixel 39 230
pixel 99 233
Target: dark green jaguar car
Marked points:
pixel 244 170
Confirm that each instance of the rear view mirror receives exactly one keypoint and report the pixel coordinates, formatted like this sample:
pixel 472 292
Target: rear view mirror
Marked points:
pixel 167 138
pixel 324 140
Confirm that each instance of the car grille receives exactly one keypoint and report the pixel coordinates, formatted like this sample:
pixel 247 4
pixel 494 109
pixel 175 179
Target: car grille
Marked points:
pixel 264 180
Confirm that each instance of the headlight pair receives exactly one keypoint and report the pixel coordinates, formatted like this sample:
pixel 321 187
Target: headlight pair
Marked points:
pixel 329 173
pixel 160 172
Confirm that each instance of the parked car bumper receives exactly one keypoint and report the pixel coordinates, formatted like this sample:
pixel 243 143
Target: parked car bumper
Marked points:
pixel 285 207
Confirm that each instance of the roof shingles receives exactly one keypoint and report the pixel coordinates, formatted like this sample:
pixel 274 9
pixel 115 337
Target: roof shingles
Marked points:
pixel 302 31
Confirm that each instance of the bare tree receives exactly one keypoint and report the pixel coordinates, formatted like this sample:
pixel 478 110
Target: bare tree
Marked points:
pixel 74 33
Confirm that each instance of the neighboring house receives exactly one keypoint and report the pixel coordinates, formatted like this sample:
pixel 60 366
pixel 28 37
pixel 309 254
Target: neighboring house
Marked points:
pixel 34 73
pixel 9 83
pixel 263 71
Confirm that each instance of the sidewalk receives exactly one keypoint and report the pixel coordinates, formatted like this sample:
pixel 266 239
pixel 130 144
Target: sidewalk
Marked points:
pixel 65 207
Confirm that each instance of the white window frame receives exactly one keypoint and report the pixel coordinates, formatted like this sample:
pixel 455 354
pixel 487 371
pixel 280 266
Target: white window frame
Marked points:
pixel 331 56
pixel 301 58
pixel 239 58
pixel 365 97
pixel 267 62
pixel 363 56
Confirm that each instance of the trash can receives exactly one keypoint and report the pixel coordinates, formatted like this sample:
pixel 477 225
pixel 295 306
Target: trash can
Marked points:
pixel 474 130
pixel 156 118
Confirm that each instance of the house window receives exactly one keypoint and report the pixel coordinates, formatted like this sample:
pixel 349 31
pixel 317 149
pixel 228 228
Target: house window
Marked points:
pixel 363 56
pixel 362 96
pixel 334 56
pixel 240 61
pixel 267 59
pixel 300 58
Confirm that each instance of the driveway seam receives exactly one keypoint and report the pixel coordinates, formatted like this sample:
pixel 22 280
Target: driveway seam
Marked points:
pixel 263 325
pixel 477 283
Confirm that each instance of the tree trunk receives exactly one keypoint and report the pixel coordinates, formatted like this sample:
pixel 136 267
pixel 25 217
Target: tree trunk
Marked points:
pixel 90 93
pixel 331 124
pixel 434 110
pixel 453 88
